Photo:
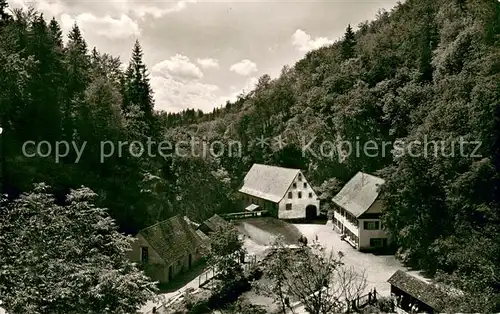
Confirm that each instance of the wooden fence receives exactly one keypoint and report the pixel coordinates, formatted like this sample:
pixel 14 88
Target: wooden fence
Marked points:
pixel 242 215
pixel 349 306
pixel 363 300
pixel 248 262
pixel 205 277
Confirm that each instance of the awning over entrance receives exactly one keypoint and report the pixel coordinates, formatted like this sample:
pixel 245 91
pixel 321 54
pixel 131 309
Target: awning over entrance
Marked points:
pixel 251 207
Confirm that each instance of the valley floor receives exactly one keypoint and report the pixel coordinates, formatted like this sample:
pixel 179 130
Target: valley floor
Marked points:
pixel 259 232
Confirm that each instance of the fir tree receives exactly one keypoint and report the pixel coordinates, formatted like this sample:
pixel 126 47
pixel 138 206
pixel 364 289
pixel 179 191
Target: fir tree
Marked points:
pixel 56 33
pixel 138 89
pixel 78 67
pixel 349 43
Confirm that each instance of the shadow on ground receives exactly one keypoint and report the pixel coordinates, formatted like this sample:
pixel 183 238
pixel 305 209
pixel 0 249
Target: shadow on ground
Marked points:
pixel 182 279
pixel 262 230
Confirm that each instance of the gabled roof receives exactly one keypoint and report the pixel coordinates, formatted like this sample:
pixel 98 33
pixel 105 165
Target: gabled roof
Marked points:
pixel 268 182
pixel 172 238
pixel 426 292
pixel 215 222
pixel 359 193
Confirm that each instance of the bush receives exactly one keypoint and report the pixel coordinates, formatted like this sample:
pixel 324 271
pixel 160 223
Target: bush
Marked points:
pixel 229 293
pixel 255 273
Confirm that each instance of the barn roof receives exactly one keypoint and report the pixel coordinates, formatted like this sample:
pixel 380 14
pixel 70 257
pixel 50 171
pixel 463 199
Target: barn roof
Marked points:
pixel 172 238
pixel 426 292
pixel 215 222
pixel 268 182
pixel 359 193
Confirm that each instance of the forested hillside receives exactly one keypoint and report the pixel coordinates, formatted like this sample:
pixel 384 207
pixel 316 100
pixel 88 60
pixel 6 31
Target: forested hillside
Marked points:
pixel 426 71
pixel 69 93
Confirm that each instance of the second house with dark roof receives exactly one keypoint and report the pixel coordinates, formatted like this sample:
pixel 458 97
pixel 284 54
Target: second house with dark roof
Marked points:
pixel 358 210
pixel 168 248
pixel 284 193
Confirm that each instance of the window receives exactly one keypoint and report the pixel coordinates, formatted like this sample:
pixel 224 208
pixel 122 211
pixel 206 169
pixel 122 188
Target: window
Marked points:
pixel 299 194
pixel 290 195
pixel 305 185
pixel 294 185
pixel 300 176
pixel 144 254
pixel 288 207
pixel 371 225
pixel 310 195
pixel 375 242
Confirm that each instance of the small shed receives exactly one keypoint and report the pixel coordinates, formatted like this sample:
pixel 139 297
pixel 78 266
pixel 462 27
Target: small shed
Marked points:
pixel 417 293
pixel 213 224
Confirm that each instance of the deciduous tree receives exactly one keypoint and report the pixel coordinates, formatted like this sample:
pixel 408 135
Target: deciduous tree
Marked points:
pixel 66 258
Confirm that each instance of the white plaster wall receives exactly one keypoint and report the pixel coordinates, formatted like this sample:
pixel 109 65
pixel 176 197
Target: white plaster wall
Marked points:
pixel 366 235
pixel 298 204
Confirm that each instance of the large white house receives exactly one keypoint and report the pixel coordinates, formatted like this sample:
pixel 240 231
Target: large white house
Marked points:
pixel 358 211
pixel 283 192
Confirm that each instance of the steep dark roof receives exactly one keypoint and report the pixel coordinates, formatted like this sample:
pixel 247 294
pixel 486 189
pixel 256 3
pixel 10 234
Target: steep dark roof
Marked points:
pixel 215 222
pixel 172 238
pixel 426 292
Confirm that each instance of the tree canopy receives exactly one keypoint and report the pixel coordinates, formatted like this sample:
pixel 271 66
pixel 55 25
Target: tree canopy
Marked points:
pixel 66 258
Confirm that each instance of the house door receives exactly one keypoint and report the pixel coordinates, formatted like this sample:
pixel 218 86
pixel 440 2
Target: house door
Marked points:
pixel 170 272
pixel 311 212
pixel 190 260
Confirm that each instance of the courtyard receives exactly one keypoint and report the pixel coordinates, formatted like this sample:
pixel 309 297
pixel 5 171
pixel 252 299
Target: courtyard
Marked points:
pixel 258 233
pixel 378 268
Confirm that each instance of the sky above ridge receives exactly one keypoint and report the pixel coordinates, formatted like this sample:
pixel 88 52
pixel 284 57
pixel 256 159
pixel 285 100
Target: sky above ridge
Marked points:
pixel 202 53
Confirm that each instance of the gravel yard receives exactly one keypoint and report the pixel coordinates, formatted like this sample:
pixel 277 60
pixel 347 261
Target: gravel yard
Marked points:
pixel 260 231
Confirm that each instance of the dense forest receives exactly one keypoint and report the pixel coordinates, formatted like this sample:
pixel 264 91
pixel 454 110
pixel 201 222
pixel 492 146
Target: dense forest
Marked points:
pixel 426 71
